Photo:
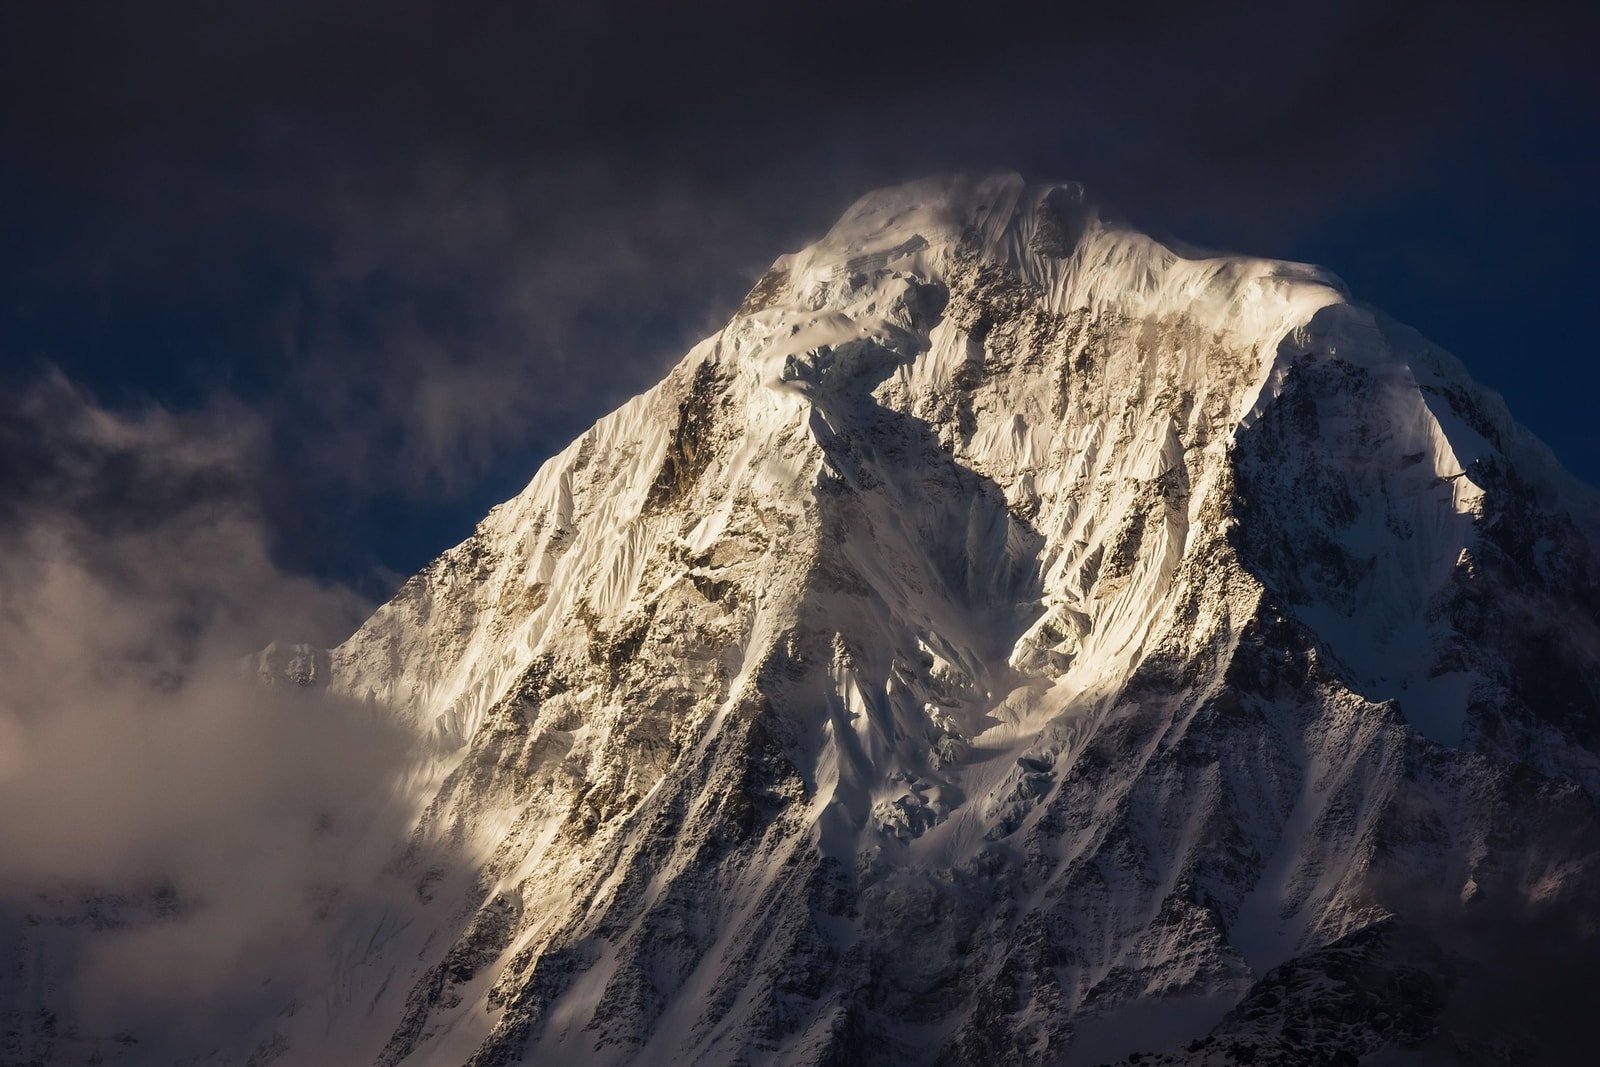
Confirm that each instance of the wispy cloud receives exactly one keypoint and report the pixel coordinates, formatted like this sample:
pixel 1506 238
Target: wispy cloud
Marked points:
pixel 174 833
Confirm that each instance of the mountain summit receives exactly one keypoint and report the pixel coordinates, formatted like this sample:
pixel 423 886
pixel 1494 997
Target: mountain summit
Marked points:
pixel 1007 640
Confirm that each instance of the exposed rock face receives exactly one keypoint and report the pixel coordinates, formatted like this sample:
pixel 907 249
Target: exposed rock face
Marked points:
pixel 1005 641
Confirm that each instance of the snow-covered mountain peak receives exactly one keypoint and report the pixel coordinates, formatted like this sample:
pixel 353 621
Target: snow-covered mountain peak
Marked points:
pixel 1004 624
pixel 1052 236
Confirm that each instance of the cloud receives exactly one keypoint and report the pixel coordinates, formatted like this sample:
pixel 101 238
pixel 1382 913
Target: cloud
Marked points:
pixel 1517 948
pixel 176 836
pixel 144 531
pixel 459 315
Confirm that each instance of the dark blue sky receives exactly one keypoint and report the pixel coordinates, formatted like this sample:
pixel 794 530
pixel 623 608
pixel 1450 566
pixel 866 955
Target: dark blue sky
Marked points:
pixel 399 253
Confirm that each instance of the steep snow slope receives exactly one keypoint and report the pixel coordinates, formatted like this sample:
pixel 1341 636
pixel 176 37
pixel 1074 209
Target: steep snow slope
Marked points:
pixel 1007 640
